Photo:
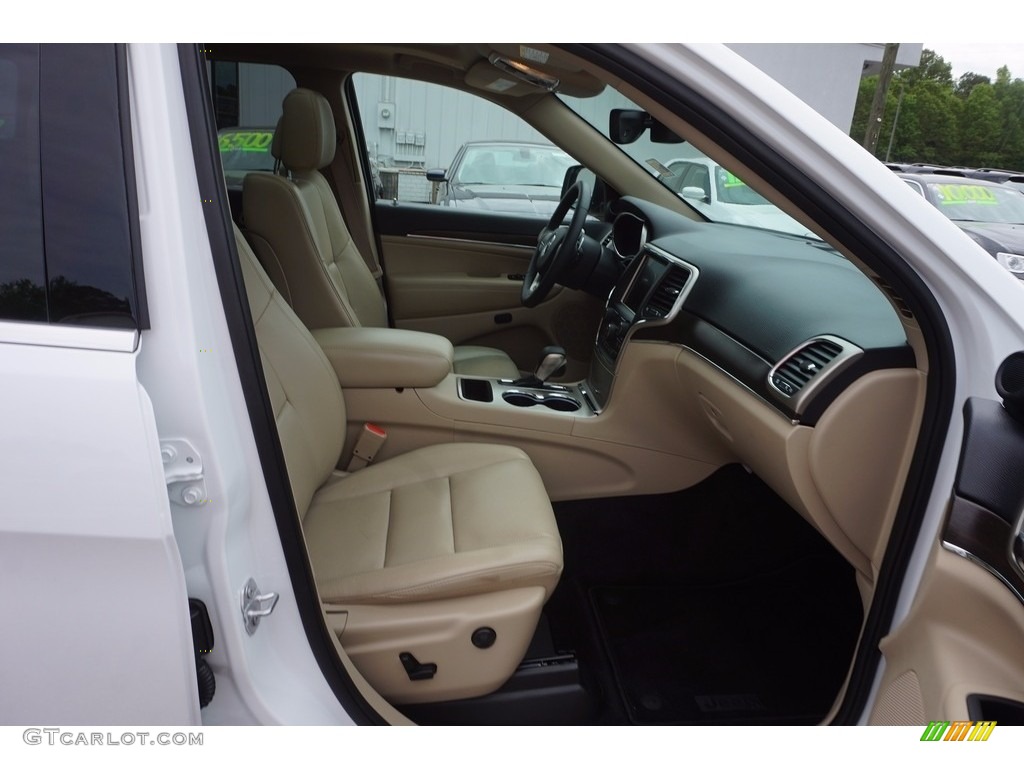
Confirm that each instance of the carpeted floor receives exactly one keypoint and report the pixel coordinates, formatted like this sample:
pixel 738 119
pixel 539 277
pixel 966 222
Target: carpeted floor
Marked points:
pixel 718 604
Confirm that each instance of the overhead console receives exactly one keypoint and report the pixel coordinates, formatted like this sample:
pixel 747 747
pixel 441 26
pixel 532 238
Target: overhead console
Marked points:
pixel 650 293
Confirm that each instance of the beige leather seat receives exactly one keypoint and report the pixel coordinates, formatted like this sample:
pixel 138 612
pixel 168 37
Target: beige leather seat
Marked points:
pixel 296 228
pixel 446 553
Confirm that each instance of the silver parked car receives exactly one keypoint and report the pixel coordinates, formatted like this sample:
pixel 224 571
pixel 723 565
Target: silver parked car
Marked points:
pixel 508 176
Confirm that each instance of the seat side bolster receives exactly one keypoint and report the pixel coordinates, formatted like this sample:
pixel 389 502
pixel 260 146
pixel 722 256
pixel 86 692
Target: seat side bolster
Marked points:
pixel 308 403
pixel 271 264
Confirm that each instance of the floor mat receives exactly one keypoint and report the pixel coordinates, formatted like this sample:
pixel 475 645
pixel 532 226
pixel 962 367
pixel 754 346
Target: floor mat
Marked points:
pixel 771 648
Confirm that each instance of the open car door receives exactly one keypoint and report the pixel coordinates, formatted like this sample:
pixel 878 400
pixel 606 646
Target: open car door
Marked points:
pixel 956 658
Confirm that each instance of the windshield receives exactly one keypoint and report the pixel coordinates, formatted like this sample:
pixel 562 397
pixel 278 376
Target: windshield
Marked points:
pixel 974 202
pixel 693 179
pixel 732 189
pixel 708 187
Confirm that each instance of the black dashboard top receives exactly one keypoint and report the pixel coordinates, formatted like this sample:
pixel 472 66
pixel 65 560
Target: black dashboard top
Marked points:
pixel 760 295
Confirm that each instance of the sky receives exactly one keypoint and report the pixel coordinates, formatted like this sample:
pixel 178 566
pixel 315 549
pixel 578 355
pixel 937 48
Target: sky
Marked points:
pixel 982 58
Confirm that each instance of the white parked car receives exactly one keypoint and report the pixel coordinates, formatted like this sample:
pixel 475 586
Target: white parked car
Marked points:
pixel 777 481
pixel 723 197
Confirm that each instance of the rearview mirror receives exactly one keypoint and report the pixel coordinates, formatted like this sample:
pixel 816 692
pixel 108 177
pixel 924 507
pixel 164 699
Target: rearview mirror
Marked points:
pixel 627 125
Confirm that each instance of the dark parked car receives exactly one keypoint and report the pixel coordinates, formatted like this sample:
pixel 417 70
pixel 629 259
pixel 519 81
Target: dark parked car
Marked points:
pixel 992 214
pixel 508 176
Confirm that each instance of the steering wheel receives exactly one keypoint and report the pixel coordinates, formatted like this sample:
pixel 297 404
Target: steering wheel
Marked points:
pixel 557 245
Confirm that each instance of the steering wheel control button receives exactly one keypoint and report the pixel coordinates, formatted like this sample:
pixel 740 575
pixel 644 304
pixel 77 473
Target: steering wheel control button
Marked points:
pixel 484 637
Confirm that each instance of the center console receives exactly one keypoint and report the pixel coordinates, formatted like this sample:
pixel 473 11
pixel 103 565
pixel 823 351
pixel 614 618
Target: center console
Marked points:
pixel 561 398
pixel 650 292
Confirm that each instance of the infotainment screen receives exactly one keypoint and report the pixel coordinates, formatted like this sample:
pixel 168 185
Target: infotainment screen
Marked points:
pixel 644 281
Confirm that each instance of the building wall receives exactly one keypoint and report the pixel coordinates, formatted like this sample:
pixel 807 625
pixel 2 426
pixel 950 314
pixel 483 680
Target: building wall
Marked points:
pixel 408 123
pixel 825 75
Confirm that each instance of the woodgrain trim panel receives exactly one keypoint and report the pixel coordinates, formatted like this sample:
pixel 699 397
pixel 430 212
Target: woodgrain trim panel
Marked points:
pixel 982 537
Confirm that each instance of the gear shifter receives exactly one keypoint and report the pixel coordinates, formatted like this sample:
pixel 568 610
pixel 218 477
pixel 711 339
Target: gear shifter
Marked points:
pixel 552 363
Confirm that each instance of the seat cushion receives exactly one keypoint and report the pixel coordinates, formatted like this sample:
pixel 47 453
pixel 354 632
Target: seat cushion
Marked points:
pixel 484 361
pixel 444 521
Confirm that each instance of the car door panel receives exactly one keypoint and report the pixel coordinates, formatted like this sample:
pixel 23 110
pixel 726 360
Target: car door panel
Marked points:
pixel 458 273
pixel 96 604
pixel 402 218
pixel 958 651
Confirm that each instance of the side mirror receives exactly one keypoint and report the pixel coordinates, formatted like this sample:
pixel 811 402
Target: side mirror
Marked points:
pixel 572 173
pixel 627 125
pixel 599 195
pixel 1010 385
pixel 437 174
pixel 694 193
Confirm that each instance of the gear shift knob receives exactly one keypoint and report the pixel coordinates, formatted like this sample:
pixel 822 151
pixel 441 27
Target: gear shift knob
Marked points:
pixel 552 363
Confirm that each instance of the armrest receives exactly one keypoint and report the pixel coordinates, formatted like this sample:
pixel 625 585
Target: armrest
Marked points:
pixel 372 358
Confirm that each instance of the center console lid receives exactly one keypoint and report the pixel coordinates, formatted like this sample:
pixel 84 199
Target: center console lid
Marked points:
pixel 384 358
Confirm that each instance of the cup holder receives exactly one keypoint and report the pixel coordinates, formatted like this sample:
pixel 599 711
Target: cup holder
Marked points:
pixel 556 401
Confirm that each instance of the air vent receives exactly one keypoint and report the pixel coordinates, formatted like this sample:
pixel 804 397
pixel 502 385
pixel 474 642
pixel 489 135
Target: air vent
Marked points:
pixel 664 297
pixel 793 373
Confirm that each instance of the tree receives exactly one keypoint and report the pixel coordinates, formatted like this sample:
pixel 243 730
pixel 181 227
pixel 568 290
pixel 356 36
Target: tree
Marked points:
pixel 967 82
pixel 981 128
pixel 933 68
pixel 972 121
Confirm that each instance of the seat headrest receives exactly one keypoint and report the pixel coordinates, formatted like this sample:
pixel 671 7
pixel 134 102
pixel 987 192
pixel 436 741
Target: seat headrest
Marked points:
pixel 275 145
pixel 306 131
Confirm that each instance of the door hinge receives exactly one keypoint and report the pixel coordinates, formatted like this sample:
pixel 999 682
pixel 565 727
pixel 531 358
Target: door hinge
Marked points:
pixel 255 605
pixel 183 472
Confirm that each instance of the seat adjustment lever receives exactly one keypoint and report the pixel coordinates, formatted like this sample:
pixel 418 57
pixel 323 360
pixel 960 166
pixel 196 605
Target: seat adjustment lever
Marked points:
pixel 415 669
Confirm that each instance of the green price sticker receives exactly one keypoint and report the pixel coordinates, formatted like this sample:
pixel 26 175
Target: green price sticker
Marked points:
pixel 965 194
pixel 246 141
pixel 731 180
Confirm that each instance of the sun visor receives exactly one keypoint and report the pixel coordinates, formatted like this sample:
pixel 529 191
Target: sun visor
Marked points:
pixel 522 69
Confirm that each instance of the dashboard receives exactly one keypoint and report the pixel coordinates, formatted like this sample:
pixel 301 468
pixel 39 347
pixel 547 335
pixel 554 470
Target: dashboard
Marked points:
pixel 785 316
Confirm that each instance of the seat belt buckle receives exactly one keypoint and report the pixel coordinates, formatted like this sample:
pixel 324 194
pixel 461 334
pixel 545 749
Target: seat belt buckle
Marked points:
pixel 367 446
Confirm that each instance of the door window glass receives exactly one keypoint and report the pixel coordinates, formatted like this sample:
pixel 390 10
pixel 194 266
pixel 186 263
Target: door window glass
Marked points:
pixel 68 228
pixel 432 144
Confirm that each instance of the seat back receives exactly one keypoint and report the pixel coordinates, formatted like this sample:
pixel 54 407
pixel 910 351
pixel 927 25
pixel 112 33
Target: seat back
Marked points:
pixel 308 405
pixel 297 231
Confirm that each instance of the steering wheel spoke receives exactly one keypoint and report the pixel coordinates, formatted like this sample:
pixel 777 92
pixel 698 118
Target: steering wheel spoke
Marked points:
pixel 556 245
